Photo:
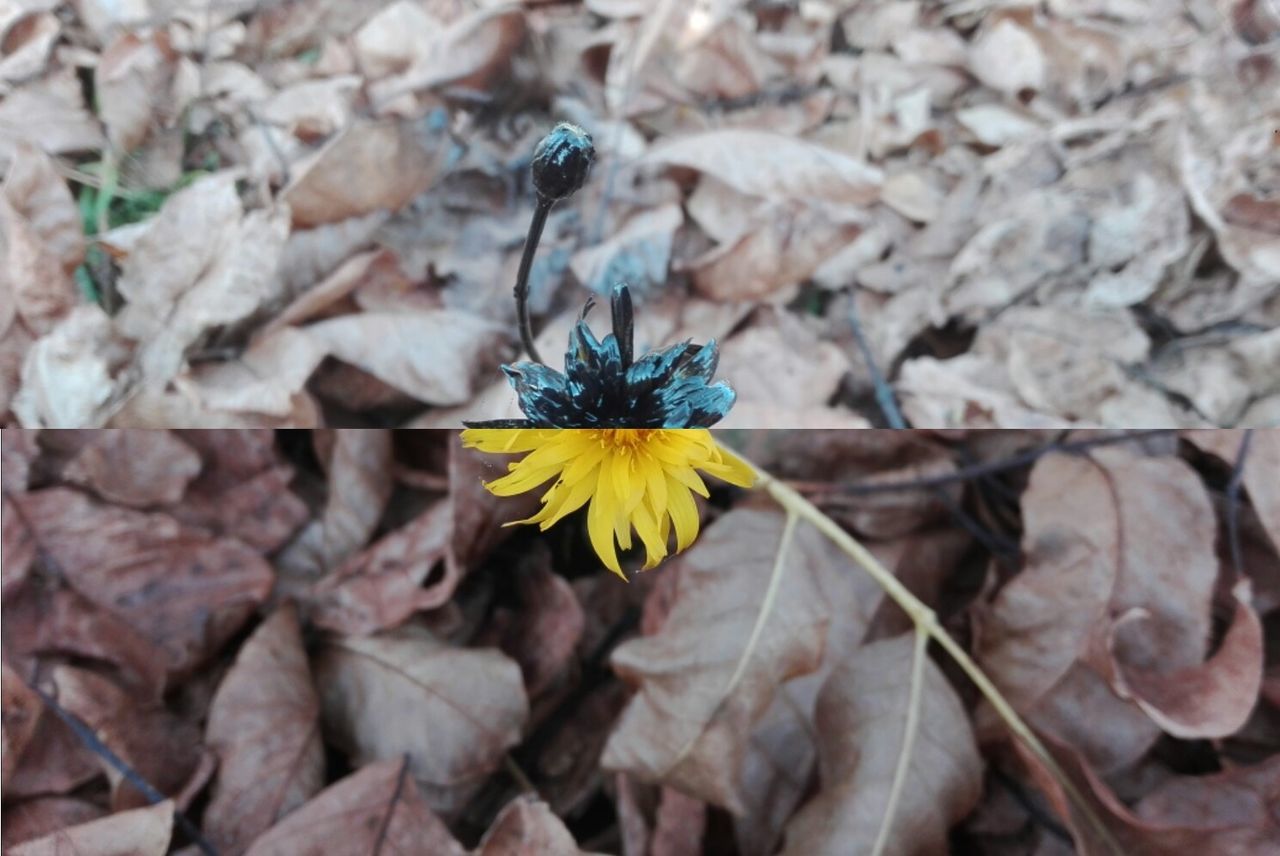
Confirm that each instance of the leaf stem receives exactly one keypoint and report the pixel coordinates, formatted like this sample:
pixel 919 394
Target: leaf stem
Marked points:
pixel 540 212
pixel 926 621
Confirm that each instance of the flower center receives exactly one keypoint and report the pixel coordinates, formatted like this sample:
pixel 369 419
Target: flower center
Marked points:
pixel 625 438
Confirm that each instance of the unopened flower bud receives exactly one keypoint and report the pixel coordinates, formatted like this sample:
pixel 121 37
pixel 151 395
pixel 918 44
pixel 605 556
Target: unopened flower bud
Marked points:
pixel 561 161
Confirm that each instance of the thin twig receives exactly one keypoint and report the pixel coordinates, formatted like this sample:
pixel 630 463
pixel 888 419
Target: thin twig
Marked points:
pixel 884 393
pixel 977 470
pixel 1233 504
pixel 91 742
pixel 522 276
pixel 391 806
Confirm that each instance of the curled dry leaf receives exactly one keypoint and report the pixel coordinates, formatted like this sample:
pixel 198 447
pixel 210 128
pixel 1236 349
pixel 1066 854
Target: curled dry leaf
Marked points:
pixel 453 712
pixel 264 725
pixel 384 584
pixel 134 468
pixel 862 719
pixel 773 166
pixel 162 749
pixel 1103 535
pixel 71 377
pixel 432 356
pixel 377 806
pixel 730 640
pixel 527 827
pixel 1213 699
pixel 139 832
pixel 371 166
pixel 42 198
pixel 360 483
pixel 49 114
pixel 185 591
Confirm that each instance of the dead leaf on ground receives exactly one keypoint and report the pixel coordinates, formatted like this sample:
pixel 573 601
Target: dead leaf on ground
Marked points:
pixel 378 805
pixel 264 725
pixel 140 470
pixel 185 591
pixel 453 712
pixel 139 832
pixel 860 732
pixel 41 816
pixel 525 827
pixel 162 749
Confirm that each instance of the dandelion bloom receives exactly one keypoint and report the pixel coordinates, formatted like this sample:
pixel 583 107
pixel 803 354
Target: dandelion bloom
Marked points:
pixel 633 477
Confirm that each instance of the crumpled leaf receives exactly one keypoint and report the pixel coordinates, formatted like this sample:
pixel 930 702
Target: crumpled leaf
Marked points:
pixel 264 725
pixel 378 805
pixel 139 832
pixel 526 826
pixel 1213 699
pixel 40 816
pixel 20 710
pixel 161 748
pixel 366 168
pixel 1043 641
pixel 203 264
pixel 860 720
pixel 773 166
pixel 134 468
pixel 689 724
pixel 71 377
pixel 184 590
pixel 453 711
pixel 432 356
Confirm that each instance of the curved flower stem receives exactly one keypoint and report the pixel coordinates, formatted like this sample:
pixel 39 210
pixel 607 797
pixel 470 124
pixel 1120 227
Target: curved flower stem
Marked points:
pixel 926 622
pixel 522 276
pixel 908 740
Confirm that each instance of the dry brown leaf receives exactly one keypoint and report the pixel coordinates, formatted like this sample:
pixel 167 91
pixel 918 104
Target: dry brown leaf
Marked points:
pixel 371 166
pixel 135 469
pixel 1103 535
pixel 360 484
pixel 453 711
pixel 20 710
pixel 377 806
pixel 49 114
pixel 204 264
pixel 140 832
pixel 383 585
pixel 861 721
pixel 264 725
pixel 41 196
pixel 638 253
pixel 184 590
pixel 472 53
pixel 543 631
pixel 243 490
pixel 700 690
pixel 773 166
pixel 1008 58
pixel 778 251
pixel 264 380
pixel 781 365
pixel 526 826
pixel 41 816
pixel 43 622
pixel 1213 699
pixel 432 356
pixel 72 377
pixel 134 82
pixel 28 43
pixel 39 290
pixel 159 747
pixel 1238 801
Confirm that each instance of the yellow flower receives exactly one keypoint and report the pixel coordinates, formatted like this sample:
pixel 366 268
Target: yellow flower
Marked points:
pixel 639 478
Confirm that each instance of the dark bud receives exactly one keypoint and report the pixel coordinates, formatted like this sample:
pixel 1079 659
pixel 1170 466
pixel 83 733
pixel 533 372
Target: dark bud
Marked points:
pixel 623 323
pixel 561 161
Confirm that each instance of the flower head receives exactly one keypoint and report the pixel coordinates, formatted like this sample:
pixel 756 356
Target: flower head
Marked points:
pixel 561 161
pixel 602 387
pixel 639 479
